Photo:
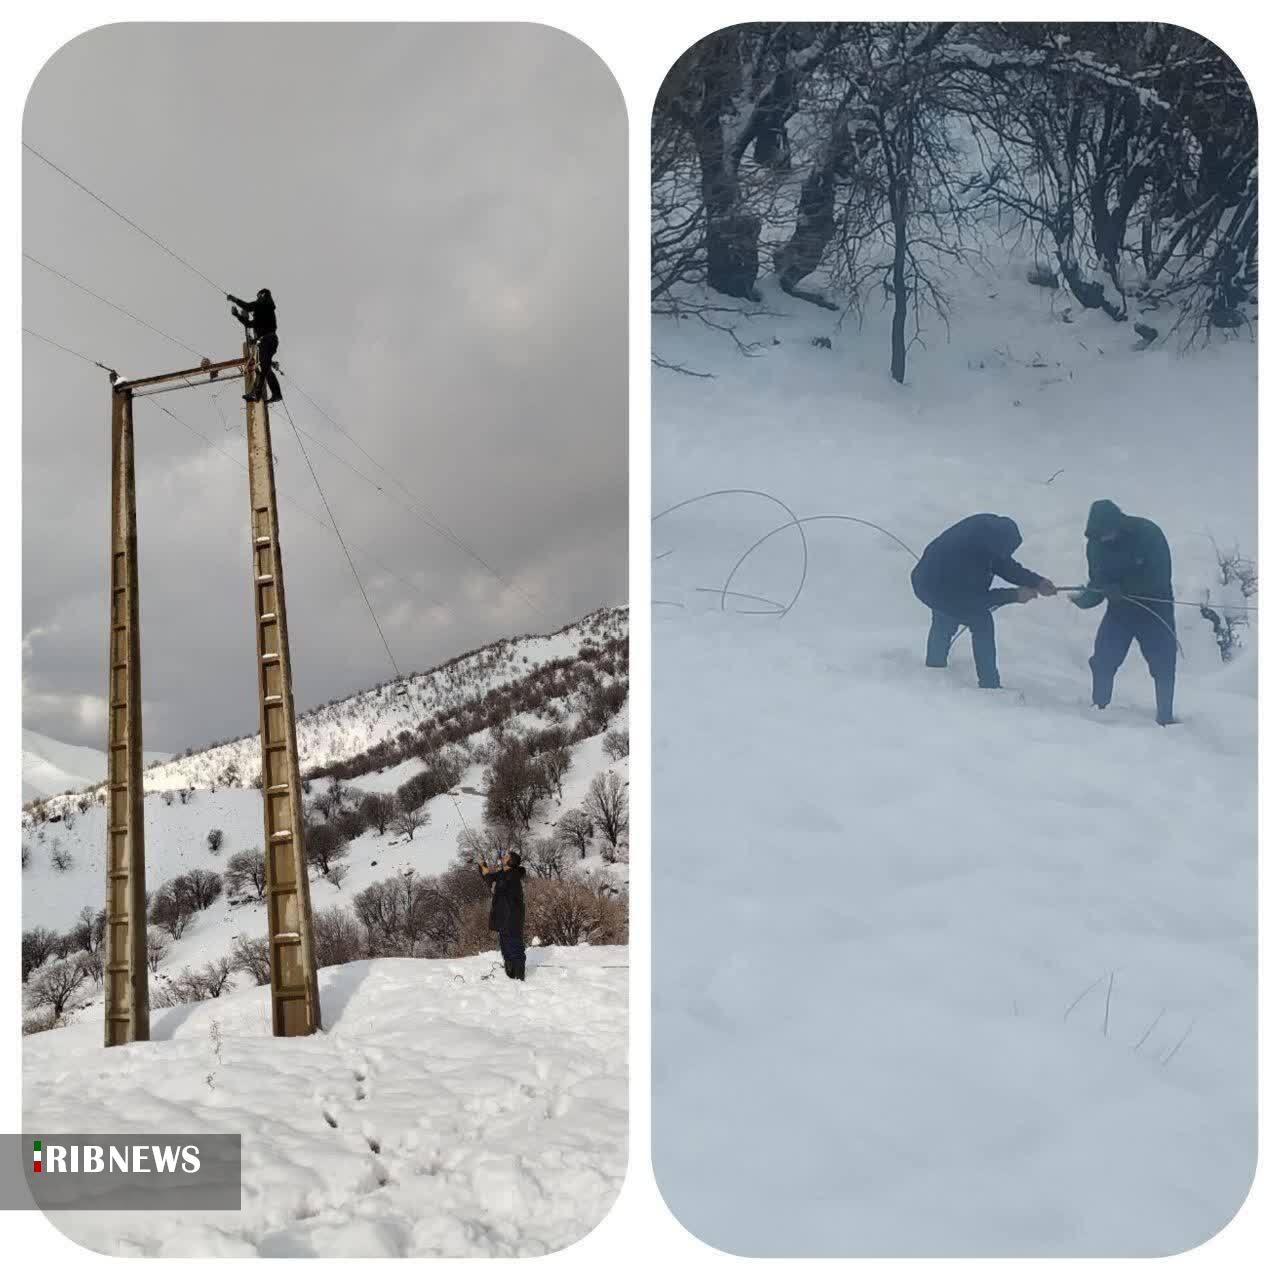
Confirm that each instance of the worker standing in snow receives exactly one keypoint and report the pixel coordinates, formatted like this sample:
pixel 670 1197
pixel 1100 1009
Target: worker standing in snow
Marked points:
pixel 260 316
pixel 506 914
pixel 1131 569
pixel 953 579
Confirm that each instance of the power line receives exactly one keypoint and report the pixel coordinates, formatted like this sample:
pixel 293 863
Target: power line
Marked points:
pixel 124 218
pixel 78 354
pixel 355 573
pixel 115 306
pixel 297 506
pixel 437 526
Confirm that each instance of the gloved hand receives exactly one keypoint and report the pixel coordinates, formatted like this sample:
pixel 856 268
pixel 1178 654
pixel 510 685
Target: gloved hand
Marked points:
pixel 1046 588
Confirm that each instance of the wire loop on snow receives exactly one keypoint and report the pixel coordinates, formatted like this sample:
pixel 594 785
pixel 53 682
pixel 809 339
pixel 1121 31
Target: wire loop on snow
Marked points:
pixel 795 522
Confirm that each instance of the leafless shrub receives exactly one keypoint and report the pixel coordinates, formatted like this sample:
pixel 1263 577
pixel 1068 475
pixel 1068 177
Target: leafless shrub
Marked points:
pixel 566 913
pixel 157 949
pixel 338 937
pixel 252 957
pixel 407 821
pixel 246 871
pixel 54 986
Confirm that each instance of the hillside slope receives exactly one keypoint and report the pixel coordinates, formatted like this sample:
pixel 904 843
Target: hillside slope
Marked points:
pixel 64 839
pixel 440 1113
pixel 982 977
pixel 50 767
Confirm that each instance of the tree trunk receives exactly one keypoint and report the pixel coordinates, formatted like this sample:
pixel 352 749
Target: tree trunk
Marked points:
pixel 898 359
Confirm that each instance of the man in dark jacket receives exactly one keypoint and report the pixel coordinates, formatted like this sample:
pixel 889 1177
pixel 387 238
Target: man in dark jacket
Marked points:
pixel 506 914
pixel 260 315
pixel 1131 569
pixel 953 578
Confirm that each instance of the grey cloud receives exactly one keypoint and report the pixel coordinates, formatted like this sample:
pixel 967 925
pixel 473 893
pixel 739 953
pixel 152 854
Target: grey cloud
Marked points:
pixel 440 212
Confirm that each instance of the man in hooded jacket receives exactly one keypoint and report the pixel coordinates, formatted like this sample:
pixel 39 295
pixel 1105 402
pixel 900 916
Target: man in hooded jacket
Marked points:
pixel 953 578
pixel 506 914
pixel 260 315
pixel 1131 569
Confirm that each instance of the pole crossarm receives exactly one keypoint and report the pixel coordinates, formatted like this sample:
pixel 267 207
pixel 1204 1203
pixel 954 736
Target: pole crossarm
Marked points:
pixel 210 372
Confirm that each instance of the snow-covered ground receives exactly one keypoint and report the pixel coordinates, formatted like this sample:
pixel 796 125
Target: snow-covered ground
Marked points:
pixel 939 970
pixel 443 1111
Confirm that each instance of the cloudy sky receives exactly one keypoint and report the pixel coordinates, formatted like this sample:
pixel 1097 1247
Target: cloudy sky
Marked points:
pixel 439 211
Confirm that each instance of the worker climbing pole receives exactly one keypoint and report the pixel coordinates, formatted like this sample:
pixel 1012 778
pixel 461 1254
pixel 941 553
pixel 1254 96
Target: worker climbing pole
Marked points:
pixel 295 1003
pixel 295 1000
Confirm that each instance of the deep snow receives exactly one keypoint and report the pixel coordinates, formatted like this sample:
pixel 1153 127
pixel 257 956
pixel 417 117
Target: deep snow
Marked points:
pixel 498 1109
pixel 443 1111
pixel 910 937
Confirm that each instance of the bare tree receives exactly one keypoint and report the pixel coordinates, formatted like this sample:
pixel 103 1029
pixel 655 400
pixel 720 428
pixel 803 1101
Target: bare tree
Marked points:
pixel 325 846
pixel 215 975
pixel 547 858
pixel 157 949
pixel 407 821
pixel 576 828
pixel 514 787
pixel 246 870
pixel 606 805
pixel 54 986
pixel 214 839
pixel 37 946
pixel 338 937
pixel 252 956
pixel 379 808
pixel 201 887
pixel 171 910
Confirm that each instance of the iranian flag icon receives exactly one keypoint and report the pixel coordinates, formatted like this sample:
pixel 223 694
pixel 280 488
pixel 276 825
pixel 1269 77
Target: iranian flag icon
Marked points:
pixel 35 1156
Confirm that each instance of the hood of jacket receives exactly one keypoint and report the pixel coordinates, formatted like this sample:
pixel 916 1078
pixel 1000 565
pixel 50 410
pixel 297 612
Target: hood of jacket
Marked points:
pixel 1104 517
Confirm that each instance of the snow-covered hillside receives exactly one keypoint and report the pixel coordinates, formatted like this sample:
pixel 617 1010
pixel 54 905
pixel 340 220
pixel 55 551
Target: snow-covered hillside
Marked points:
pixel 443 1110
pixel 347 726
pixel 942 970
pixel 177 841
pixel 50 767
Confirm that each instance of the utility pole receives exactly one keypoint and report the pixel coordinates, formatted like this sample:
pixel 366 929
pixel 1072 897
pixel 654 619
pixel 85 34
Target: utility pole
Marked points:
pixel 295 998
pixel 295 1002
pixel 124 978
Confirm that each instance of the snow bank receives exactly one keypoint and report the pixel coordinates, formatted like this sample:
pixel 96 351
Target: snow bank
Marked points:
pixel 939 970
pixel 443 1111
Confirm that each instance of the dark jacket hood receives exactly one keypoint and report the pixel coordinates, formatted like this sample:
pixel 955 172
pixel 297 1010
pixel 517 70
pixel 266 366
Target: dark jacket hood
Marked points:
pixel 1104 517
pixel 1008 534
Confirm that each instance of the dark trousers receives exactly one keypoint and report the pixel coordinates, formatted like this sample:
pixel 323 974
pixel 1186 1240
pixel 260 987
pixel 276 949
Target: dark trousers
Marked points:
pixel 511 944
pixel 267 346
pixel 976 615
pixel 1153 629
